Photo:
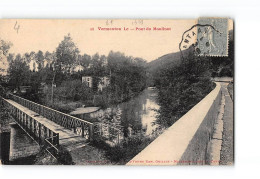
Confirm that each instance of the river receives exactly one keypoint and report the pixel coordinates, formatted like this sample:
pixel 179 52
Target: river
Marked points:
pixel 136 116
pixel 139 113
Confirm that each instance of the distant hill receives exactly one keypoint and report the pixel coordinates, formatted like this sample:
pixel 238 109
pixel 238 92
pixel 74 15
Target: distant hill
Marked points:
pixel 167 60
pixel 175 58
pixel 221 66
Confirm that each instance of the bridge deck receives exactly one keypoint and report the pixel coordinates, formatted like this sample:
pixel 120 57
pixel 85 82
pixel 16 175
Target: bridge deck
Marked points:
pixel 81 152
pixel 67 137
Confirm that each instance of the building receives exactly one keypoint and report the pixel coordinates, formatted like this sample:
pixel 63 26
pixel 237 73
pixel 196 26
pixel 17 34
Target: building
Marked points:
pixel 104 82
pixel 88 80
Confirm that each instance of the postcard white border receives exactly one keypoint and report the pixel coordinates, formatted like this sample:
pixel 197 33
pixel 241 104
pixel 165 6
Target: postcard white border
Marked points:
pixel 246 17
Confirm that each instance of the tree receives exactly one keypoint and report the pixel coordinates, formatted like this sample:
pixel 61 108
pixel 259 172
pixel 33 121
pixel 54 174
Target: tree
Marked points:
pixel 4 49
pixel 127 75
pixel 40 59
pixel 27 58
pixel 47 72
pixel 18 72
pixel 51 59
pixel 85 60
pixel 30 59
pixel 181 87
pixel 66 53
pixel 10 57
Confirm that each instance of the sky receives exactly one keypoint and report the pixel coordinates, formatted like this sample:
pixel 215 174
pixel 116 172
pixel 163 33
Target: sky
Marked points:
pixel 45 35
pixel 34 34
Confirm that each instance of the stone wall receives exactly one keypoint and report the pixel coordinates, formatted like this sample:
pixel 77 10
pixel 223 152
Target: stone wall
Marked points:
pixel 21 145
pixel 187 140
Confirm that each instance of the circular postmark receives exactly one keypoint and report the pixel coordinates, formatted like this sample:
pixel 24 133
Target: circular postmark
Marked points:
pixel 208 38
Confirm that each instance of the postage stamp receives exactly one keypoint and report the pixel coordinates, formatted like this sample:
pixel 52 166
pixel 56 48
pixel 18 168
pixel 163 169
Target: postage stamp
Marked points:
pixel 212 36
pixel 208 37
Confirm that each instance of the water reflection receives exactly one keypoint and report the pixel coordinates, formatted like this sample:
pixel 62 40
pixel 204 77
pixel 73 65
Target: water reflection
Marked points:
pixel 138 114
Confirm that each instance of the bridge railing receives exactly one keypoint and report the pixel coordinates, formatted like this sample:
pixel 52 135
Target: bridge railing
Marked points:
pixel 51 147
pixel 38 131
pixel 80 127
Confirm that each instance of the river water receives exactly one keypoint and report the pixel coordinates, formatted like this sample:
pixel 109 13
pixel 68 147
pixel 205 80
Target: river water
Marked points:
pixel 136 116
pixel 139 114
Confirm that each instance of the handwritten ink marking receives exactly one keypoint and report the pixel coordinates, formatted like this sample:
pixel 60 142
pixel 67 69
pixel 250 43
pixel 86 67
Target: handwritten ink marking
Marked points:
pixel 137 22
pixel 109 22
pixel 16 27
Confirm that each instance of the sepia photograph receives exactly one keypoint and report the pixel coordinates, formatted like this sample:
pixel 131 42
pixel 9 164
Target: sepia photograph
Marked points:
pixel 117 91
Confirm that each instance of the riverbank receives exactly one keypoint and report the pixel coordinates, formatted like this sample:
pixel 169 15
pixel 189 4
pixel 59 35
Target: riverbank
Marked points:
pixel 137 117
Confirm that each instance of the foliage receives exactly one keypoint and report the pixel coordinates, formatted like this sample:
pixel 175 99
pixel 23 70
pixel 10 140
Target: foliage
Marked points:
pixel 18 72
pixel 4 49
pixel 10 57
pixel 183 82
pixel 84 60
pixel 124 152
pixel 64 156
pixel 5 118
pixel 224 66
pixel 128 76
pixel 39 59
pixel 66 53
pixel 73 90
pixel 181 87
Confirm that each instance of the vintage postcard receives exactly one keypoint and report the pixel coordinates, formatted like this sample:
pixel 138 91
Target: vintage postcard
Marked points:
pixel 117 91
